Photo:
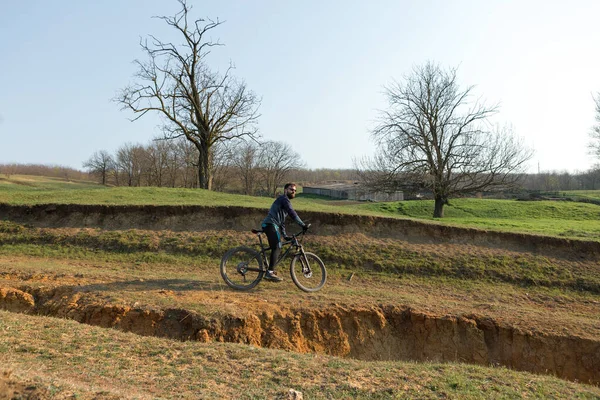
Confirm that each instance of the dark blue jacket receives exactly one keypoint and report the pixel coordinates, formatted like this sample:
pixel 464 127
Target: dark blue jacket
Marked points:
pixel 281 208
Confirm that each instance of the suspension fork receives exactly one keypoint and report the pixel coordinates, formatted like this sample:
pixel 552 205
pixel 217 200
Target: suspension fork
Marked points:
pixel 303 258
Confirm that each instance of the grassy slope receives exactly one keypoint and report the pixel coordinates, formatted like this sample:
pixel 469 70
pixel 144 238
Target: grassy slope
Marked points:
pixel 82 360
pixel 553 218
pixel 353 252
pixel 516 290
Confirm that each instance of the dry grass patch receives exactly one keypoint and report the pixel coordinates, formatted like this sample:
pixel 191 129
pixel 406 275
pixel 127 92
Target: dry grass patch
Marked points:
pixel 69 359
pixel 350 252
pixel 198 287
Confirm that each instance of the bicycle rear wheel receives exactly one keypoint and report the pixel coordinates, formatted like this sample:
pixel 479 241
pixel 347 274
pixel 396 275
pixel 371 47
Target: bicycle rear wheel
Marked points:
pixel 241 268
pixel 308 272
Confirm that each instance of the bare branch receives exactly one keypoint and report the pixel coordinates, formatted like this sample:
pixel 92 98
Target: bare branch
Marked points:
pixel 194 102
pixel 594 144
pixel 433 134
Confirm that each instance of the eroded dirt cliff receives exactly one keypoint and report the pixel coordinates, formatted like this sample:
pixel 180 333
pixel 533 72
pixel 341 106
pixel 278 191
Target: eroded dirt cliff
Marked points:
pixel 199 218
pixel 367 333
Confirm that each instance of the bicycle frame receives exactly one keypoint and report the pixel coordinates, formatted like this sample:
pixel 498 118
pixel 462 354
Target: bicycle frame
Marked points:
pixel 243 267
pixel 294 243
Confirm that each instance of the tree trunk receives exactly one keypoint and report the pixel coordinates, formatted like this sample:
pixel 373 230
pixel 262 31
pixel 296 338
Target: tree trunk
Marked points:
pixel 204 176
pixel 438 210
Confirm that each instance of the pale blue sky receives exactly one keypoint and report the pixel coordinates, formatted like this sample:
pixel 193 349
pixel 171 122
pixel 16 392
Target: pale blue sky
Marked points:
pixel 319 66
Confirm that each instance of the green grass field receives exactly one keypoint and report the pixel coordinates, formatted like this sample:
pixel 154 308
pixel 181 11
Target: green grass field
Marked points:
pixel 583 194
pixel 566 219
pixel 552 218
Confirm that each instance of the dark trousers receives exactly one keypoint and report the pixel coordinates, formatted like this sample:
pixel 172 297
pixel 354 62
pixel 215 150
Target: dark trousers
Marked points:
pixel 272 232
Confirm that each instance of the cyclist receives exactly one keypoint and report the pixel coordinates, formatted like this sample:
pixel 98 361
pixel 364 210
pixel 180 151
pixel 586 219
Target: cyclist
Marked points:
pixel 274 226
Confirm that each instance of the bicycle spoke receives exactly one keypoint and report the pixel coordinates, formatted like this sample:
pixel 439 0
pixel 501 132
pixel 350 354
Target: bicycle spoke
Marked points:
pixel 241 268
pixel 308 272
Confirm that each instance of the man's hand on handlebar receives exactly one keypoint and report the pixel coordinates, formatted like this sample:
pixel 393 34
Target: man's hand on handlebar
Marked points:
pixel 305 227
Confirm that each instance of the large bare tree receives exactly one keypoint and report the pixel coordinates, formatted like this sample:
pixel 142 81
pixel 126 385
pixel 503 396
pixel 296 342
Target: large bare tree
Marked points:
pixel 203 106
pixel 433 134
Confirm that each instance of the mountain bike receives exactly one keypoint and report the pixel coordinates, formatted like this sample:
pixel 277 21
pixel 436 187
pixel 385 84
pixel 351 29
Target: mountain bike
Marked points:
pixel 243 267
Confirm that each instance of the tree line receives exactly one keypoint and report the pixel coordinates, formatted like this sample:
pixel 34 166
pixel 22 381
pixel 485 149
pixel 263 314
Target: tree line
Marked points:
pixel 232 182
pixel 7 170
pixel 238 166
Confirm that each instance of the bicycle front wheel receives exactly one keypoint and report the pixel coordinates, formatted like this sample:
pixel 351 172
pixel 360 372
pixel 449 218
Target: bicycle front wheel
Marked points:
pixel 308 272
pixel 242 268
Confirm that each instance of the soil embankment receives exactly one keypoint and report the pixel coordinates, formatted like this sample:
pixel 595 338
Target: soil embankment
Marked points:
pixel 366 333
pixel 199 218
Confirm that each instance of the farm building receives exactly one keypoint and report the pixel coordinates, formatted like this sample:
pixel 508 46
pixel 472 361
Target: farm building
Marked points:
pixel 351 191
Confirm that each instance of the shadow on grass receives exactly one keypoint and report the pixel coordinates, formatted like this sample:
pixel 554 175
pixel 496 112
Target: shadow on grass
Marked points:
pixel 141 285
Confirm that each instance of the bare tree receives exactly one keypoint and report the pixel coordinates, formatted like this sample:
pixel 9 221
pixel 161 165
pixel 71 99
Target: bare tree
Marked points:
pixel 245 160
pixel 203 106
pixel 187 155
pixel 9 169
pixel 276 161
pixel 432 134
pixel 591 179
pixel 221 166
pixel 173 165
pixel 158 156
pixel 130 163
pixel 594 145
pixel 308 176
pixel 100 164
pixel 175 168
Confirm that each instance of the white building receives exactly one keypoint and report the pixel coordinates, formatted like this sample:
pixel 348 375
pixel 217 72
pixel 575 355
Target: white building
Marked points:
pixel 351 191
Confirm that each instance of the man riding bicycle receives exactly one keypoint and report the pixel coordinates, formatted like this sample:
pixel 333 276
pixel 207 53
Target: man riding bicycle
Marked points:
pixel 274 226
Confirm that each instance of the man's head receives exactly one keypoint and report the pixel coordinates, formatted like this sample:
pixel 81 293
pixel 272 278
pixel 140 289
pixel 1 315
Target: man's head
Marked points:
pixel 290 190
